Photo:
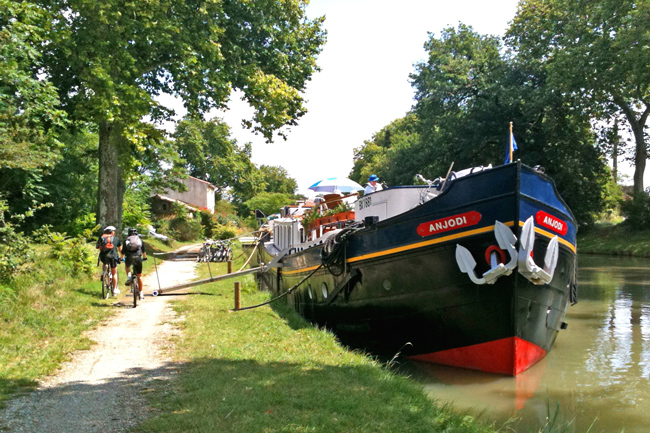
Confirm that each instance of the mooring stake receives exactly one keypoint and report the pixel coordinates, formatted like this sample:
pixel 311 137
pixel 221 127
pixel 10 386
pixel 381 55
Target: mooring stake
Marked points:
pixel 237 295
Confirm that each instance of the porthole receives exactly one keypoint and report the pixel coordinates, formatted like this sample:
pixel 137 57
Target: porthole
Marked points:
pixel 324 290
pixel 387 285
pixel 309 292
pixel 358 286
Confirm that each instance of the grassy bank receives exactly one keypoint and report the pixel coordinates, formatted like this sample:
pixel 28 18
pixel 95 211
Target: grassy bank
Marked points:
pixel 267 370
pixel 44 314
pixel 614 239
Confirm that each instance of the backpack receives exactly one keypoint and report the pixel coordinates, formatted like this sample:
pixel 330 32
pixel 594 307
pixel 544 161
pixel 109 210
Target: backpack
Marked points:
pixel 133 243
pixel 106 243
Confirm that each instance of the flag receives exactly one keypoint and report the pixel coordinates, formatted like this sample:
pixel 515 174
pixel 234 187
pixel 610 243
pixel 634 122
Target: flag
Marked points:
pixel 512 146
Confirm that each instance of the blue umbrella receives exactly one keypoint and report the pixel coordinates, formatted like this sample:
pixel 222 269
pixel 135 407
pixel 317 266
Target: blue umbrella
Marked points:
pixel 332 184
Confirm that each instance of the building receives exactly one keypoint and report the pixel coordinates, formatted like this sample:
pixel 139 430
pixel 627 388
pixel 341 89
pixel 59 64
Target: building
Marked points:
pixel 199 195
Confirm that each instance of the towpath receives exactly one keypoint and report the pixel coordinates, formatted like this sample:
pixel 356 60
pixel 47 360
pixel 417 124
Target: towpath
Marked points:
pixel 103 389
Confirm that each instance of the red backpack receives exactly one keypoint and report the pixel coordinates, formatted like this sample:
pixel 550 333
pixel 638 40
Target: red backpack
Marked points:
pixel 107 242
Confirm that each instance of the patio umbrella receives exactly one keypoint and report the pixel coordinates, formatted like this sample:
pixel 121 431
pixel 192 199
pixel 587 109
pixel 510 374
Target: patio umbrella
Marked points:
pixel 332 184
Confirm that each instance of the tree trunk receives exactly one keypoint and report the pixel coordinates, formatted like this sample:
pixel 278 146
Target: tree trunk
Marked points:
pixel 640 157
pixel 108 203
pixel 637 125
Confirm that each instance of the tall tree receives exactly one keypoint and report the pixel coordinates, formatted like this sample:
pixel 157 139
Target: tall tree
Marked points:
pixel 209 153
pixel 110 59
pixel 277 180
pixel 29 116
pixel 595 52
pixel 467 92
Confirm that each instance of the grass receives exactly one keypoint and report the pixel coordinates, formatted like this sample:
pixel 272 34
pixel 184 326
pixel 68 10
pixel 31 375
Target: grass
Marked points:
pixel 614 239
pixel 267 370
pixel 44 315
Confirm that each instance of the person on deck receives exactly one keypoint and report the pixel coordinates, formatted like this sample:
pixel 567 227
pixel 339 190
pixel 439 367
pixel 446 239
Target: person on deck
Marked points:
pixel 373 185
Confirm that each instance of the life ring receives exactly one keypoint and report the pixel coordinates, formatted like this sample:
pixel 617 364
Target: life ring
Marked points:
pixel 495 248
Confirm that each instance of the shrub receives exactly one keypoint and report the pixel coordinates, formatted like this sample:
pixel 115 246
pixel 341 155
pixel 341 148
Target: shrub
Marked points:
pixel 185 230
pixel 14 248
pixel 637 211
pixel 226 231
pixel 75 254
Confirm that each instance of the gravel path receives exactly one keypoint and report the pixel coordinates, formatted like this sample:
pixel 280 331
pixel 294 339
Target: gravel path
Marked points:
pixel 101 389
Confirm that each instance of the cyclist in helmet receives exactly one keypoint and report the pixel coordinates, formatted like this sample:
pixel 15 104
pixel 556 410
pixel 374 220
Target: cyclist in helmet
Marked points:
pixel 133 254
pixel 109 247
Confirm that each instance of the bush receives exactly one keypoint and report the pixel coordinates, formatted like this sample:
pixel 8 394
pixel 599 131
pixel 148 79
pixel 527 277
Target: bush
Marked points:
pixel 226 231
pixel 185 230
pixel 637 211
pixel 14 248
pixel 75 254
pixel 209 222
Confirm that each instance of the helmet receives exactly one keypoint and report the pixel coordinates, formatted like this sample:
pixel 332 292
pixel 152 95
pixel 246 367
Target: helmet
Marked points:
pixel 133 231
pixel 373 178
pixel 109 229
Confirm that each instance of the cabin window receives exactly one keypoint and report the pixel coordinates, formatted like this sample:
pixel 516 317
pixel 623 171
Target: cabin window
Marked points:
pixel 309 292
pixel 324 290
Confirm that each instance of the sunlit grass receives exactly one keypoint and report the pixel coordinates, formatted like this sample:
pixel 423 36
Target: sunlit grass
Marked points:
pixel 267 370
pixel 44 314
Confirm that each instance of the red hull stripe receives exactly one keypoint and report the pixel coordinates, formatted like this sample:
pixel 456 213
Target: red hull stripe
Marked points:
pixel 508 356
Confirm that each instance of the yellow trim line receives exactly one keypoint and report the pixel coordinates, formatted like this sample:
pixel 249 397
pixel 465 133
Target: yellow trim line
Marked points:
pixel 437 241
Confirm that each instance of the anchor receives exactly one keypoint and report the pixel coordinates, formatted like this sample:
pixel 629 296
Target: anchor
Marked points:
pixel 527 266
pixel 506 240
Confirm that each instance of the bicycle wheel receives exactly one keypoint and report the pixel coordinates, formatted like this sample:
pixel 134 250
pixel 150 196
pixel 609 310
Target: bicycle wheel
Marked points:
pixel 136 290
pixel 107 290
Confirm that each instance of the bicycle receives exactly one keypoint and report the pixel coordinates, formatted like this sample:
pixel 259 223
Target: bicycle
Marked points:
pixel 135 287
pixel 107 282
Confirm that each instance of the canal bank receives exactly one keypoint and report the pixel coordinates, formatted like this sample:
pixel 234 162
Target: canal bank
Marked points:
pixel 267 370
pixel 614 240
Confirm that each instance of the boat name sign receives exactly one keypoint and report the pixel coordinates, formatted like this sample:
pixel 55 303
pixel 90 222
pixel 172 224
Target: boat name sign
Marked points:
pixel 365 202
pixel 453 222
pixel 549 221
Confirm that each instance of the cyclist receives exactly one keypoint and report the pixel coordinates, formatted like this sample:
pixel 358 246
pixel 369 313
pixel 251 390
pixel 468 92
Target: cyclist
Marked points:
pixel 134 252
pixel 109 246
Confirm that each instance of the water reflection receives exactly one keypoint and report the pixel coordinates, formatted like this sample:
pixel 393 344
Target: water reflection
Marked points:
pixel 599 368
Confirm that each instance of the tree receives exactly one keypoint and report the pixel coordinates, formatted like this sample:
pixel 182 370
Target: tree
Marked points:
pixel 29 118
pixel 110 59
pixel 595 52
pixel 276 179
pixel 209 153
pixel 28 104
pixel 268 202
pixel 468 91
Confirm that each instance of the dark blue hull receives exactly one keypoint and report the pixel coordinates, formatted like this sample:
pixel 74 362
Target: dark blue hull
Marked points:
pixel 400 286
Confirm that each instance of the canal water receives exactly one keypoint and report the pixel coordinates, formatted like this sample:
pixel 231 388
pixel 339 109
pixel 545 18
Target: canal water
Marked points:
pixel 598 371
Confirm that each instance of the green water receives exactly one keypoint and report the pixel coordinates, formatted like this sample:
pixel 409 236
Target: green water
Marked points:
pixel 598 369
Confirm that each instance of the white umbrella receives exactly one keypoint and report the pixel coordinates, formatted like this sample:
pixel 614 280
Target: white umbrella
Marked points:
pixel 332 184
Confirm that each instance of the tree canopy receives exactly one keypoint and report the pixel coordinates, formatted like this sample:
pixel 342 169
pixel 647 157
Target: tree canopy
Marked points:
pixel 111 59
pixel 467 92
pixel 596 54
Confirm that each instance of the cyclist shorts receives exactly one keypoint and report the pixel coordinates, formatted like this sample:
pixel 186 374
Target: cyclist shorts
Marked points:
pixel 112 261
pixel 135 261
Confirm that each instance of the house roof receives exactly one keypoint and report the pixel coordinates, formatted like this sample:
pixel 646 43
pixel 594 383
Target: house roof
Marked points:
pixel 202 181
pixel 173 200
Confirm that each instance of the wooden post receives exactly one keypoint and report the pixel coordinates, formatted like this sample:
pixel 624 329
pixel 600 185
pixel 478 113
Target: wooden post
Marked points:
pixel 230 266
pixel 237 295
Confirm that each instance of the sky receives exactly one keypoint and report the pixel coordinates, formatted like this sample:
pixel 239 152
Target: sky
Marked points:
pixel 372 47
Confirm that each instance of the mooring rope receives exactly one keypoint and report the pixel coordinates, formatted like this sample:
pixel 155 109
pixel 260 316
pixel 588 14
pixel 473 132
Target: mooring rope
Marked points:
pixel 249 257
pixel 282 295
